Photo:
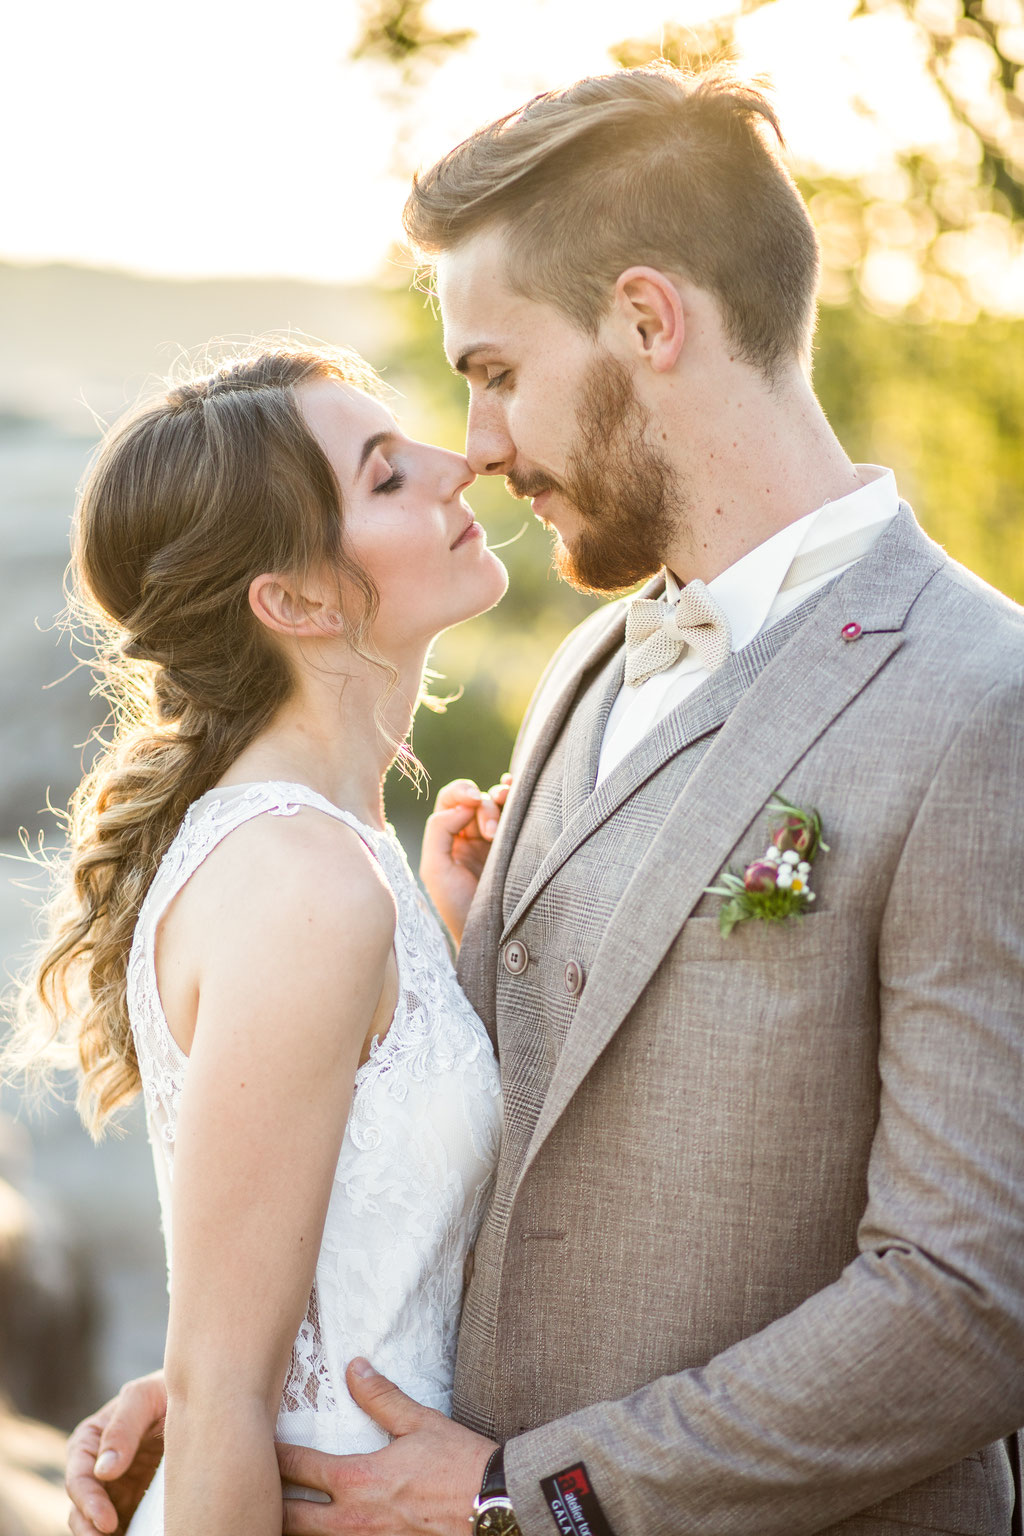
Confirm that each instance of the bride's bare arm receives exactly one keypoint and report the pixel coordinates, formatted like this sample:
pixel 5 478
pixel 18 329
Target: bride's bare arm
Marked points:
pixel 298 929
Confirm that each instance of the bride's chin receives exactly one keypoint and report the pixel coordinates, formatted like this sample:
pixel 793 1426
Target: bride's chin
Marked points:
pixel 495 586
pixel 486 592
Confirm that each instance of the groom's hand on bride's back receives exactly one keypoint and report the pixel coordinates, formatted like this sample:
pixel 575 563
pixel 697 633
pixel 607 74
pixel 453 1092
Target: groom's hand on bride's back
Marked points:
pixel 425 1481
pixel 422 1484
pixel 112 1456
pixel 456 841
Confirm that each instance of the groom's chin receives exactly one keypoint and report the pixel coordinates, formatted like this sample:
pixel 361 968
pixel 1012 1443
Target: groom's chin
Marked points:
pixel 598 572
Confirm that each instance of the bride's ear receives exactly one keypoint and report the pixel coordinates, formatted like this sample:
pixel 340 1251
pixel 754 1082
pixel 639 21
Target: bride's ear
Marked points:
pixel 279 605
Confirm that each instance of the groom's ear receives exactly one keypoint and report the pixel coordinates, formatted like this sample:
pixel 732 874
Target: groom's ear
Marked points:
pixel 648 311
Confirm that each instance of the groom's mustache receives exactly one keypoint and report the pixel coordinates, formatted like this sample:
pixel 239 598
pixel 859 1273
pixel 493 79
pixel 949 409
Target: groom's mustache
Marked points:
pixel 524 487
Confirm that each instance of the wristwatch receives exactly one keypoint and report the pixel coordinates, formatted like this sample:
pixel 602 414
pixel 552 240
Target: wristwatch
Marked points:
pixel 493 1514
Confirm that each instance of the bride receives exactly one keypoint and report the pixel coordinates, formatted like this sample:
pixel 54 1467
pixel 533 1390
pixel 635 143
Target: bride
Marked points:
pixel 240 935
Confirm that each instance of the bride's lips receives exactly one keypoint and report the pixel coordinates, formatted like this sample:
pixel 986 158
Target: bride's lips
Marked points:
pixel 471 531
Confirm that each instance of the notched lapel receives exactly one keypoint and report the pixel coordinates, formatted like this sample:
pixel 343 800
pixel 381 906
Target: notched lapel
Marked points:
pixel 794 700
pixel 555 696
pixel 702 713
pixel 585 731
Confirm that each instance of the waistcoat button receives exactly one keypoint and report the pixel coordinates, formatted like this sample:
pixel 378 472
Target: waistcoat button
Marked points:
pixel 516 957
pixel 573 978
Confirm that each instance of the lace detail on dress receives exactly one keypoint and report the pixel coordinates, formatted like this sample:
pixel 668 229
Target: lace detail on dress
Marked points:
pixel 417 1158
pixel 308 1383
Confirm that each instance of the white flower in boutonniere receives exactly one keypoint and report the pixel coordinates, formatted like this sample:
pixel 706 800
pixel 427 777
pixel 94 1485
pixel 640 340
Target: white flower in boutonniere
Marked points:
pixel 778 885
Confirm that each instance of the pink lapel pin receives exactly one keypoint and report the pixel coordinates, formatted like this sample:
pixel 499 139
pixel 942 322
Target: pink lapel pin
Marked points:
pixel 851 631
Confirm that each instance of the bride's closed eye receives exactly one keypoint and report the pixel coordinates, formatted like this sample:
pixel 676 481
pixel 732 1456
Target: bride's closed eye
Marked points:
pixel 394 482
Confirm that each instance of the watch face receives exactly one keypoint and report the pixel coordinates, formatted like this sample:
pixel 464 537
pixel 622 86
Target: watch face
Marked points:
pixel 500 1521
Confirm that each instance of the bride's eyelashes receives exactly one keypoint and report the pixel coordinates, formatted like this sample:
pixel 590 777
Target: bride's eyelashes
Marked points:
pixel 394 482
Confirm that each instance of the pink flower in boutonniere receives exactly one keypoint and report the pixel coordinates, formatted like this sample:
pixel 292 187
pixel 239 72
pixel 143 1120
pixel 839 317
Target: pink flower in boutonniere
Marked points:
pixel 777 885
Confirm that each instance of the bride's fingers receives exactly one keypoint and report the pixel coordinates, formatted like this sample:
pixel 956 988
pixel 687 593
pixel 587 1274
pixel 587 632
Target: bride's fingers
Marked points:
pixel 458 792
pixel 445 825
pixel 490 808
pixel 488 814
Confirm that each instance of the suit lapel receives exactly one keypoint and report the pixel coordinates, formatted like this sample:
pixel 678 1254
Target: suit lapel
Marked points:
pixel 585 732
pixel 793 701
pixel 555 695
pixel 702 713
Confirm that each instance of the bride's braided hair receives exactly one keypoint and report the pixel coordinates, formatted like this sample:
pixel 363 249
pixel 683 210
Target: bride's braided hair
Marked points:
pixel 189 499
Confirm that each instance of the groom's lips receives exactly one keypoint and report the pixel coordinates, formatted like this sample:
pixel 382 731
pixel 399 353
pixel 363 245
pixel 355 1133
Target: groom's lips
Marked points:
pixel 539 502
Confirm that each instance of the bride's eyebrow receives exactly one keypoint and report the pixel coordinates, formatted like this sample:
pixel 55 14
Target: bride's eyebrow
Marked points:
pixel 371 443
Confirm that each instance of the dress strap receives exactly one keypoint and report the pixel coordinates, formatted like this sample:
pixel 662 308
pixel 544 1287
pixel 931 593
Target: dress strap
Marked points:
pixel 208 821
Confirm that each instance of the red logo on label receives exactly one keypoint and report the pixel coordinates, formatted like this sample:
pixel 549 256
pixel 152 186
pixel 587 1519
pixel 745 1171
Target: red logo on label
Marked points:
pixel 574 1481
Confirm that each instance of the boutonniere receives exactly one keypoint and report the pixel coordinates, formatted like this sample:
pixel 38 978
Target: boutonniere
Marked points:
pixel 778 885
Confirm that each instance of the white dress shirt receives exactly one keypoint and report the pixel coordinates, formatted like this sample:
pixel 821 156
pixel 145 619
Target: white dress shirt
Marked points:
pixel 754 593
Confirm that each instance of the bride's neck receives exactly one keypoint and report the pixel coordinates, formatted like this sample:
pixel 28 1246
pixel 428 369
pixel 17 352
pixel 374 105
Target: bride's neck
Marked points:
pixel 335 739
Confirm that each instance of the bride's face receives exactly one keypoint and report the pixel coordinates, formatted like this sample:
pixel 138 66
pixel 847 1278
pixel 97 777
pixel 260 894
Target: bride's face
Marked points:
pixel 405 520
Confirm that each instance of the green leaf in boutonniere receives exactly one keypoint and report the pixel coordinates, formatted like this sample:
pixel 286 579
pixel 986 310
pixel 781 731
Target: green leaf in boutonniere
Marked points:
pixel 777 886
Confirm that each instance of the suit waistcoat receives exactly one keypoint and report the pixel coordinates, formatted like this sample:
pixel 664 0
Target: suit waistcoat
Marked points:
pixel 683 1196
pixel 574 908
pixel 564 907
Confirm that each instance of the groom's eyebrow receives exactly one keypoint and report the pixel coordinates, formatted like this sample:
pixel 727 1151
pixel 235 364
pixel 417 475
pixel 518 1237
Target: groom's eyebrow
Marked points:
pixel 479 348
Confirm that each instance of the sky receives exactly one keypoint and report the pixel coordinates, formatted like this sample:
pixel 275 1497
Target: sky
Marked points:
pixel 216 137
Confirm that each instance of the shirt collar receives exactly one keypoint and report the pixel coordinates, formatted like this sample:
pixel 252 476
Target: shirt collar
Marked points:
pixel 749 587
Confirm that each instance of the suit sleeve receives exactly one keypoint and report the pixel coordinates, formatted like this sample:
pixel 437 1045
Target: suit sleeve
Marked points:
pixel 914 1357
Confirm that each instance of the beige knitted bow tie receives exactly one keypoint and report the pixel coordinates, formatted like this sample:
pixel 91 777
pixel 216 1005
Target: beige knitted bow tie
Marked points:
pixel 657 633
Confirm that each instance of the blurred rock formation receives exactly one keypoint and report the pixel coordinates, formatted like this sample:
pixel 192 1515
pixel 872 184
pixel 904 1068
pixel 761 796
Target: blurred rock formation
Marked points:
pixel 32 1498
pixel 48 1310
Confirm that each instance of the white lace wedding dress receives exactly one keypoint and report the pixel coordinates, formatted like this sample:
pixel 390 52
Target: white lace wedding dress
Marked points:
pixel 416 1161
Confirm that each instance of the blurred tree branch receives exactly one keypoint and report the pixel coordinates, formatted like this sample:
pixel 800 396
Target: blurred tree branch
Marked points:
pixel 936 236
pixel 930 239
pixel 397 32
pixel 995 120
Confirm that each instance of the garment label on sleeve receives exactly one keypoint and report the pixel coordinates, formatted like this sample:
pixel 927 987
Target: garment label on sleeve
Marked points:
pixel 573 1503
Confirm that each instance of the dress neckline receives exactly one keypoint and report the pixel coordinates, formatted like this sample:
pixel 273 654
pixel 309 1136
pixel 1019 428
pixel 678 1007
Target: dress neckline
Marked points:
pixel 307 789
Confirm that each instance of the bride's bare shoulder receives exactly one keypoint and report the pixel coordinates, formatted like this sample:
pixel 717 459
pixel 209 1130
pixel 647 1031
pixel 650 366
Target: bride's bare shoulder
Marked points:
pixel 285 880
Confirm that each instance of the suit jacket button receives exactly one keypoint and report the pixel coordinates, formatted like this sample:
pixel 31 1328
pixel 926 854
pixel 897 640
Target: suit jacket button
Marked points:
pixel 516 957
pixel 573 978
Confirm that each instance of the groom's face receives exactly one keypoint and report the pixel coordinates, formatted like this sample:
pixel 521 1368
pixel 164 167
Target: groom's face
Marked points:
pixel 555 413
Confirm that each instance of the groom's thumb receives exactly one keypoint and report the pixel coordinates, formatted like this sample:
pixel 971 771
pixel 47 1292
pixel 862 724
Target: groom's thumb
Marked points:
pixel 386 1404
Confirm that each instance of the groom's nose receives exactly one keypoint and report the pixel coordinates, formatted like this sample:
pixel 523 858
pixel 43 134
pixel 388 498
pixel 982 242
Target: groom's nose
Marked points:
pixel 489 448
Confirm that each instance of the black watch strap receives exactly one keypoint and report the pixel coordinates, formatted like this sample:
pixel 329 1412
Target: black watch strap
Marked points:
pixel 494 1485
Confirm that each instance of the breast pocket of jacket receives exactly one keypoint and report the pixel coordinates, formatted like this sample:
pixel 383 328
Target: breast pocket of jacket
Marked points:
pixel 767 944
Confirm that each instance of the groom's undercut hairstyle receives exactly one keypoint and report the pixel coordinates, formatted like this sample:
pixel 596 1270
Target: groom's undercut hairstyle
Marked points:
pixel 646 167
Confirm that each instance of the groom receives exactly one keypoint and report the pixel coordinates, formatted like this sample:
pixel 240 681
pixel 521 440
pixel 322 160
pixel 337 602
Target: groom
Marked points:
pixel 755 1259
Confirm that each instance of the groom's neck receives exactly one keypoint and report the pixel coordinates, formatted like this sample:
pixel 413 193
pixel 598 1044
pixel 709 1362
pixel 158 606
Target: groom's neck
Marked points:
pixel 750 459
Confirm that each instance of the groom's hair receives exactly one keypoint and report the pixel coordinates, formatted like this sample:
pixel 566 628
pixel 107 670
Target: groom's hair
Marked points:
pixel 649 167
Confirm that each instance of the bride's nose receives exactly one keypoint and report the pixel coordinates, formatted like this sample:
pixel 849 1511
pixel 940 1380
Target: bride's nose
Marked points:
pixel 456 473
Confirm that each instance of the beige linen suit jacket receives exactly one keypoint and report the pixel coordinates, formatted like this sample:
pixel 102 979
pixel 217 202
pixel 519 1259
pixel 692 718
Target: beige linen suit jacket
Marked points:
pixel 756 1250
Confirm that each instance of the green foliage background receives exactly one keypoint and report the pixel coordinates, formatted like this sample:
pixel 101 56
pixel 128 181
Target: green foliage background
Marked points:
pixel 941 404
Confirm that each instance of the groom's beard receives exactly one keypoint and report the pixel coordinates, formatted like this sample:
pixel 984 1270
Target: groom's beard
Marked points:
pixel 626 494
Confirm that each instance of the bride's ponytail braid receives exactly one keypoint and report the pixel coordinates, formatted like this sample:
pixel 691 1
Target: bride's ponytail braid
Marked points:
pixel 189 499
